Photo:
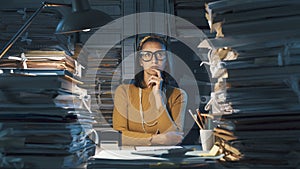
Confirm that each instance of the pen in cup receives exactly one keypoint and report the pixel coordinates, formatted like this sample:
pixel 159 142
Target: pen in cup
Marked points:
pixel 200 118
pixel 195 119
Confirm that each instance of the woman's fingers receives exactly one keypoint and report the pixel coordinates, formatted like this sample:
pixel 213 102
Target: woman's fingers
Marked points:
pixel 168 138
pixel 174 137
pixel 158 73
pixel 154 80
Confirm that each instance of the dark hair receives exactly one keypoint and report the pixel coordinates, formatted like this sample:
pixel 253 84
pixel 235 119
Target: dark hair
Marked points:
pixel 152 38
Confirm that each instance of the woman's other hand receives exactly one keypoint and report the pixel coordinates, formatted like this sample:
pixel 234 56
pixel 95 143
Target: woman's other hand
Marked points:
pixel 169 138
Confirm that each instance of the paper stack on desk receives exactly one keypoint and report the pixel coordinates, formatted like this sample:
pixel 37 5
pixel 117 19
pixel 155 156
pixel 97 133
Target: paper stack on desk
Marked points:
pixel 254 60
pixel 103 75
pixel 45 120
pixel 152 157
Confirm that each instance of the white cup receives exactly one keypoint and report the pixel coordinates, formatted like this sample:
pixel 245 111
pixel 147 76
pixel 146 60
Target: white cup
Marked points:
pixel 207 139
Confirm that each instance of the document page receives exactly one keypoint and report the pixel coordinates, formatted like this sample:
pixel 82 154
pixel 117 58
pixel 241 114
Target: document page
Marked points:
pixel 151 148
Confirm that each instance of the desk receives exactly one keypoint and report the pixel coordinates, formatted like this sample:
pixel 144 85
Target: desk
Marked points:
pixel 127 157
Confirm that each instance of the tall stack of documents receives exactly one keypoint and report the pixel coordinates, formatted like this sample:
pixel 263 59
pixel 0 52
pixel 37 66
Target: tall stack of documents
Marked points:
pixel 255 62
pixel 103 75
pixel 45 119
pixel 39 59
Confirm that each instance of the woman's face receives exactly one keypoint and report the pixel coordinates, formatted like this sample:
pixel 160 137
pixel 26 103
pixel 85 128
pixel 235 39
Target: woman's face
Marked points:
pixel 158 61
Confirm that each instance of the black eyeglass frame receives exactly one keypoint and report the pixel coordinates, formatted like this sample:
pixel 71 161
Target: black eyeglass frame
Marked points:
pixel 140 55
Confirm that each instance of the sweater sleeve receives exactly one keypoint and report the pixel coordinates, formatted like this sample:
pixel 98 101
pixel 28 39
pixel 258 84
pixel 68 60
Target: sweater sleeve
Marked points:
pixel 177 107
pixel 120 120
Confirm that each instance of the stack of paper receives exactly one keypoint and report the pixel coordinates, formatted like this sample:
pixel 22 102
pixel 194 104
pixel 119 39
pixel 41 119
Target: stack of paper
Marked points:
pixel 41 59
pixel 165 157
pixel 255 62
pixel 103 75
pixel 45 119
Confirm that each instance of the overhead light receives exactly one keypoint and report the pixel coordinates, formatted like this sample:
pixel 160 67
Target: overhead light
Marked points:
pixel 86 30
pixel 81 18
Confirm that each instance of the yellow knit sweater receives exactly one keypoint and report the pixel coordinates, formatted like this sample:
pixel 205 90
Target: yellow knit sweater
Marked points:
pixel 127 117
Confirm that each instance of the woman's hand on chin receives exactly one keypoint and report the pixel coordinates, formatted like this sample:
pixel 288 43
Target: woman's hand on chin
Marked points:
pixel 155 81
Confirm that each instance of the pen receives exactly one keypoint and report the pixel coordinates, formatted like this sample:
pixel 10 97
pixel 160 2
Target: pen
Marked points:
pixel 195 119
pixel 208 115
pixel 200 118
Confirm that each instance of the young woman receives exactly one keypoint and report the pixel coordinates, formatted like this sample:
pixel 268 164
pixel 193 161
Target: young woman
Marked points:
pixel 150 111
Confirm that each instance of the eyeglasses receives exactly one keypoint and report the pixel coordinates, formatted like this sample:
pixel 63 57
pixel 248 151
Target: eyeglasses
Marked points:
pixel 147 55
